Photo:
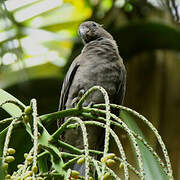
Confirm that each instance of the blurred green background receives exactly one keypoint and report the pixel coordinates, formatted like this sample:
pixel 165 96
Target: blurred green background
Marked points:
pixel 38 41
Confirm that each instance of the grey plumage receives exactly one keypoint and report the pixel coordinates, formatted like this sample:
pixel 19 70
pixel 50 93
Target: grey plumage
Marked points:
pixel 98 64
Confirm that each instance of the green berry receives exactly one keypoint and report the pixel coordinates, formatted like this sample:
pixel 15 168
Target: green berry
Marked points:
pixel 103 159
pixel 121 165
pixel 75 174
pixel 28 110
pixel 107 176
pixel 25 155
pixel 128 7
pixel 8 176
pixel 29 178
pixel 13 178
pixel 110 162
pixel 19 166
pixel 9 159
pixel 81 160
pixel 11 150
pixel 35 169
pixel 39 135
pixel 5 166
pixel 39 178
pixel 26 119
pixel 110 156
pixel 29 173
pixel 29 158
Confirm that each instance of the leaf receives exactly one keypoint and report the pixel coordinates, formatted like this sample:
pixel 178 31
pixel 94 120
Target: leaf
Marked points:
pixel 12 109
pixel 46 70
pixel 140 36
pixel 19 135
pixel 2 173
pixel 151 166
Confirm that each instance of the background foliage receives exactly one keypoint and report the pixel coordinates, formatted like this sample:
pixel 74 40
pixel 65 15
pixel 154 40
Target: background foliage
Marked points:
pixel 38 41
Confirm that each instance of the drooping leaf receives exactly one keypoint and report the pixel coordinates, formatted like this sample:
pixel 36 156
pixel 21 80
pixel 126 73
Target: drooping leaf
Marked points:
pixel 152 168
pixel 12 109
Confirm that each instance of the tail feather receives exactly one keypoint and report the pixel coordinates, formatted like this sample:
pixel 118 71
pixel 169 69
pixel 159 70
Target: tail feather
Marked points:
pixel 79 168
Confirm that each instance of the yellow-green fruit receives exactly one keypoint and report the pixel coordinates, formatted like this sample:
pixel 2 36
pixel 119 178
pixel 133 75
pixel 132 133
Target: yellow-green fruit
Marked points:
pixel 29 173
pixel 11 150
pixel 28 178
pixel 39 135
pixel 35 169
pixel 29 158
pixel 107 176
pixel 81 160
pixel 28 110
pixel 103 159
pixel 9 159
pixel 13 178
pixel 5 166
pixel 19 166
pixel 110 156
pixel 128 7
pixel 25 155
pixel 26 119
pixel 39 178
pixel 8 176
pixel 75 174
pixel 121 165
pixel 110 162
pixel 90 178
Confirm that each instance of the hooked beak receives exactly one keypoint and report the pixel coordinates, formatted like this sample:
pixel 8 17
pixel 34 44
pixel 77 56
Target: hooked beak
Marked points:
pixel 83 30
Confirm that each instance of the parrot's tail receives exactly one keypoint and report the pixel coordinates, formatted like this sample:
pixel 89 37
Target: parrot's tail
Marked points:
pixel 79 168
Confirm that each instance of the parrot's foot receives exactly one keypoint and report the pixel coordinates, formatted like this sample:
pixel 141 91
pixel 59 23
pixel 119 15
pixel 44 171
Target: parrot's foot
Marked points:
pixel 76 99
pixel 81 93
pixel 90 105
pixel 95 114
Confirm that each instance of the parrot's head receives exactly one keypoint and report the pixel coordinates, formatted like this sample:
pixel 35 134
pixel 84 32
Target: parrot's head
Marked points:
pixel 90 31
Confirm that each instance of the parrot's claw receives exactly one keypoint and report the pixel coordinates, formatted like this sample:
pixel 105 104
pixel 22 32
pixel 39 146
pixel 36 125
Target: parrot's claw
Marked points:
pixel 90 105
pixel 81 93
pixel 76 99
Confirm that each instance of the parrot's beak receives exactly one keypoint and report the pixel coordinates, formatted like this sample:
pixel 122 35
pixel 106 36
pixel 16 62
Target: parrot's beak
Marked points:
pixel 83 33
pixel 83 30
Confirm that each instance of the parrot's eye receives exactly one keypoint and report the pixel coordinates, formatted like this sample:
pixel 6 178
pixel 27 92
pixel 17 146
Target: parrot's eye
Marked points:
pixel 94 24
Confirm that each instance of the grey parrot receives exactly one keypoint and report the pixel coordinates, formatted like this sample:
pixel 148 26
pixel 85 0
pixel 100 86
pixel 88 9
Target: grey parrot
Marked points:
pixel 98 64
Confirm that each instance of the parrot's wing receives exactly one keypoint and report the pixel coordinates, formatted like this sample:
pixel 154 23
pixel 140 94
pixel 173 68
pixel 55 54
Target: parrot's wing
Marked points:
pixel 67 84
pixel 119 97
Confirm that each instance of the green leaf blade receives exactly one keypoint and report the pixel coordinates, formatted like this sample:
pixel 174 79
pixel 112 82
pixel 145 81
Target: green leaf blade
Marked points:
pixel 152 168
pixel 10 108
